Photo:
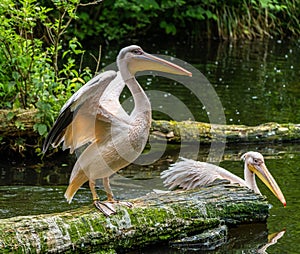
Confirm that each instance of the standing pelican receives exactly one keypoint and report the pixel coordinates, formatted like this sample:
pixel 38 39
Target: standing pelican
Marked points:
pixel 189 174
pixel 93 116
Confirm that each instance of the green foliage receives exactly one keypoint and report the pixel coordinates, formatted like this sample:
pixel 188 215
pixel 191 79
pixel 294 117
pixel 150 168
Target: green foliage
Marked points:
pixel 253 19
pixel 38 71
pixel 122 19
pixel 119 19
pixel 18 52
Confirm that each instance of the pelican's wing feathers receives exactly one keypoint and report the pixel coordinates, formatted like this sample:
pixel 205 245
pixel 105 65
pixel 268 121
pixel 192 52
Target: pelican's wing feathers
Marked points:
pixel 189 174
pixel 79 113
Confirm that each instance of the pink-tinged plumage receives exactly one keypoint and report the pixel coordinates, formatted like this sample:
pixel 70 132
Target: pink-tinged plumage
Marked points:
pixel 189 174
pixel 93 117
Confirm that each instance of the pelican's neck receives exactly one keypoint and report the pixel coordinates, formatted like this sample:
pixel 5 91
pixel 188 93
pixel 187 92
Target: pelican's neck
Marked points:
pixel 250 179
pixel 141 101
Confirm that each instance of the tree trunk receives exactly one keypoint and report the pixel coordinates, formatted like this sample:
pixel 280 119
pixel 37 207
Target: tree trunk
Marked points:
pixel 154 218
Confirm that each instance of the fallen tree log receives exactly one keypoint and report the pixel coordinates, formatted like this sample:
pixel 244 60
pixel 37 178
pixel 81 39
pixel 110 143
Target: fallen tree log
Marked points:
pixel 190 131
pixel 17 123
pixel 20 124
pixel 154 218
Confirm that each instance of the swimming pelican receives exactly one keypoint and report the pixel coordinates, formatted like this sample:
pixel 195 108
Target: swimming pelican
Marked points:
pixel 94 117
pixel 189 174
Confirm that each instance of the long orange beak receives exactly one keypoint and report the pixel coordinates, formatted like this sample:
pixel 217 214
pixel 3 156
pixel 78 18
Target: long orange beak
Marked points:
pixel 149 62
pixel 263 173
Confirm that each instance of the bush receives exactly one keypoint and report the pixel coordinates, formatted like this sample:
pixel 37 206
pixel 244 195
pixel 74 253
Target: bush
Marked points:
pixel 30 73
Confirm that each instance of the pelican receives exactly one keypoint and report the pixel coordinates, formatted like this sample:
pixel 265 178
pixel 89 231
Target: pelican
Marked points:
pixel 189 174
pixel 94 119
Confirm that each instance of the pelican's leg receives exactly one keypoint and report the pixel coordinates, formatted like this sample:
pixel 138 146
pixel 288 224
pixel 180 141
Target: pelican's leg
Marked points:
pixel 107 188
pixel 110 196
pixel 106 208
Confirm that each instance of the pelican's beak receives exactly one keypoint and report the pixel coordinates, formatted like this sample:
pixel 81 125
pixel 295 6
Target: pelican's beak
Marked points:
pixel 263 173
pixel 146 61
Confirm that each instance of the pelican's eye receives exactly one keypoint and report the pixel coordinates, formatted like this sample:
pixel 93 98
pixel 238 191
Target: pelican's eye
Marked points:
pixel 257 161
pixel 137 52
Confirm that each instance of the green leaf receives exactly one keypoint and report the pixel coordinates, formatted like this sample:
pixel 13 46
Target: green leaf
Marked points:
pixel 41 128
pixel 10 115
pixel 16 104
pixel 20 125
pixel 169 27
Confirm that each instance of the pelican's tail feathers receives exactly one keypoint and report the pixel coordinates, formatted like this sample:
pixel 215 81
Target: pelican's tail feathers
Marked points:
pixel 77 181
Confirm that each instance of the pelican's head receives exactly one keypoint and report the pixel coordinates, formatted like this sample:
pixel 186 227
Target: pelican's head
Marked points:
pixel 133 59
pixel 255 163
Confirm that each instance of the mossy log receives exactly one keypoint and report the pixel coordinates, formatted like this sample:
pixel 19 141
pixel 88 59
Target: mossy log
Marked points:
pixel 154 218
pixel 190 131
pixel 17 123
pixel 20 123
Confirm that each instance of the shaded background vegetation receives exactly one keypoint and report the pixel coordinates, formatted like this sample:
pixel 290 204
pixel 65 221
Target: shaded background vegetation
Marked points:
pixel 231 19
pixel 41 42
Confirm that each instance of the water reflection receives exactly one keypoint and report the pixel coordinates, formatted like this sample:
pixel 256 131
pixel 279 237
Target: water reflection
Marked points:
pixel 272 239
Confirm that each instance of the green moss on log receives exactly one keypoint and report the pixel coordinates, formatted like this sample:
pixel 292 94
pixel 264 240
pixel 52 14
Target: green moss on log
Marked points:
pixel 188 131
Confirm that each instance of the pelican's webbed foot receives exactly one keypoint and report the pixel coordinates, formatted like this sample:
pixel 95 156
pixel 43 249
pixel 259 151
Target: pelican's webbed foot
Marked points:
pixel 107 207
pixel 124 203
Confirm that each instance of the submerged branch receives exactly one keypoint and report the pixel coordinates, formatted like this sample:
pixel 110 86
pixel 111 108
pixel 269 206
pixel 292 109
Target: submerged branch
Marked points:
pixel 154 218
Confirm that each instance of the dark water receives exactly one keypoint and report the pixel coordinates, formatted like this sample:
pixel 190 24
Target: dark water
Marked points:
pixel 256 82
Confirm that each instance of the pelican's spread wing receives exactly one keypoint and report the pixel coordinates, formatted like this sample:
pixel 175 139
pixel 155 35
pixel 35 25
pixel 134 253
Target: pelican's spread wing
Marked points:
pixel 189 174
pixel 81 119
